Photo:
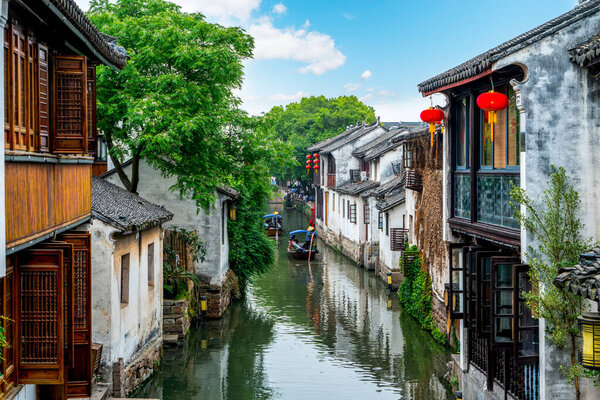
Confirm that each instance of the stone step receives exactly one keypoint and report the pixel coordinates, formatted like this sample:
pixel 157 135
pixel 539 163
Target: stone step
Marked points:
pixel 170 339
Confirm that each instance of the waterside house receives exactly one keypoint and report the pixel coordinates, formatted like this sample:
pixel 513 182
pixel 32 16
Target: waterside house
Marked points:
pixel 550 77
pixel 210 226
pixel 50 54
pixel 127 283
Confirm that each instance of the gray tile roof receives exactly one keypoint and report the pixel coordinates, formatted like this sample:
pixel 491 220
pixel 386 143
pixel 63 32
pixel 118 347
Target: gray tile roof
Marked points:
pixel 349 135
pixel 587 53
pixel 113 53
pixel 375 147
pixel 483 62
pixel 395 199
pixel 388 187
pixel 124 210
pixel 582 279
pixel 415 133
pixel 355 188
pixel 319 145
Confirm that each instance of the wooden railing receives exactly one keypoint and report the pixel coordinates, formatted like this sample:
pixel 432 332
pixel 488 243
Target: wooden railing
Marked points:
pixel 331 181
pixel 414 181
pixel 43 197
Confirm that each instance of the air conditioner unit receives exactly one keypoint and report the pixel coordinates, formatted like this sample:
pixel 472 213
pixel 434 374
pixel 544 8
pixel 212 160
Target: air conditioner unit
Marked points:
pixel 363 175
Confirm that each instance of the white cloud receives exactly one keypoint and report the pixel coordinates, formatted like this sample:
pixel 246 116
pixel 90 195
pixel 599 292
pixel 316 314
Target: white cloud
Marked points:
pixel 386 93
pixel 279 8
pixel 221 10
pixel 306 24
pixel 352 87
pixel 315 49
pixel 405 109
pixel 348 16
pixel 367 97
pixel 366 75
pixel 288 97
pixel 371 89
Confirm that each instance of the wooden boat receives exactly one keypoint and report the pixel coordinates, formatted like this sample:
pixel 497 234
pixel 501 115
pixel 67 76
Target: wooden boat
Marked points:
pixel 299 250
pixel 289 202
pixel 273 224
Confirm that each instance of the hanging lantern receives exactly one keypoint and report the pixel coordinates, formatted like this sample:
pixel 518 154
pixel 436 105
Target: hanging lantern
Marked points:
pixel 308 162
pixel 307 167
pixel 316 155
pixel 491 102
pixel 308 157
pixel 590 327
pixel 432 116
pixel 316 166
pixel 316 161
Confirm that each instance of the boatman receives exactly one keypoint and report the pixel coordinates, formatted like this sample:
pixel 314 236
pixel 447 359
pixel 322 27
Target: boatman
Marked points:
pixel 309 234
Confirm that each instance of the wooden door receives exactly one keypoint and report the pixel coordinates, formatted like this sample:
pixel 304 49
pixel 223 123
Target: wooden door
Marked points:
pixel 79 375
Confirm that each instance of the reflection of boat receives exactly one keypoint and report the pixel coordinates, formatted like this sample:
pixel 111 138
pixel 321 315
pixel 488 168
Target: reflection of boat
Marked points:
pixel 300 251
pixel 273 223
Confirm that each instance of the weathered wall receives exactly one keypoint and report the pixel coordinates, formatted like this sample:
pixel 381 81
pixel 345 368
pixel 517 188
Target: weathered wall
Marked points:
pixel 561 102
pixel 155 188
pixel 389 259
pixel 125 328
pixel 385 171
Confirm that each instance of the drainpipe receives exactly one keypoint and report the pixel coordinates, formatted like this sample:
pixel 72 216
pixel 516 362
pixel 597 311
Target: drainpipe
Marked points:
pixel 3 18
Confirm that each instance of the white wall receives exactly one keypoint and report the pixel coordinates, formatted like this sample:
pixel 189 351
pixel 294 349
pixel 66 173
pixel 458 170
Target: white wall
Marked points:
pixel 387 257
pixel 124 328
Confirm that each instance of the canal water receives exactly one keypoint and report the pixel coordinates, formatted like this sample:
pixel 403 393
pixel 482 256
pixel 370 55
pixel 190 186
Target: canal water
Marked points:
pixel 325 331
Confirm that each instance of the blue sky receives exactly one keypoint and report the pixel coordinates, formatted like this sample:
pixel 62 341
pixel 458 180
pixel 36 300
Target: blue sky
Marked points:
pixel 378 50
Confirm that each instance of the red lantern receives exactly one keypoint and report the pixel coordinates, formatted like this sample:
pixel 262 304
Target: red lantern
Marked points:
pixel 316 161
pixel 307 167
pixel 316 155
pixel 308 162
pixel 316 166
pixel 308 157
pixel 432 116
pixel 491 102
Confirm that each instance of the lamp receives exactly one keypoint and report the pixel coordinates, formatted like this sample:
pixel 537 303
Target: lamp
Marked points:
pixel 233 213
pixel 203 305
pixel 389 280
pixel 590 327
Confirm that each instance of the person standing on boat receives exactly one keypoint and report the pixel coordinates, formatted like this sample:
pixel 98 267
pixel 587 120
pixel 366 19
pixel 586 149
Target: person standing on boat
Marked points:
pixel 309 235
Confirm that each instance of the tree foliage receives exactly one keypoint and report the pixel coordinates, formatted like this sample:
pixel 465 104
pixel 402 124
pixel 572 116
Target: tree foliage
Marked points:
pixel 173 103
pixel 556 227
pixel 309 121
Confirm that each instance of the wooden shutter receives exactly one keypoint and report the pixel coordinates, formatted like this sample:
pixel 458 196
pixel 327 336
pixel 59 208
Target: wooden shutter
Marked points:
pixel 18 94
pixel 8 323
pixel 366 214
pixel 44 97
pixel 8 134
pixel 526 328
pixel 79 377
pixel 502 301
pixel 40 342
pixel 70 105
pixel 352 213
pixel 91 110
pixel 397 238
pixel 68 253
pixel 32 97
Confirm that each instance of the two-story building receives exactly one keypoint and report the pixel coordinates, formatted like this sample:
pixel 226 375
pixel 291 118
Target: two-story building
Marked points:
pixel 50 53
pixel 550 79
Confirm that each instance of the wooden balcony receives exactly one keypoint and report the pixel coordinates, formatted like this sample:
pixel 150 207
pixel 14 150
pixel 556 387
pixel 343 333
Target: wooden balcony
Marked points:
pixel 45 194
pixel 414 181
pixel 331 181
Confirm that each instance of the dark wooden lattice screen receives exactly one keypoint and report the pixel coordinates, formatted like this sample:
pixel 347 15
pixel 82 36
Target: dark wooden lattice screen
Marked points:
pixel 91 110
pixel 44 97
pixel 70 104
pixel 367 214
pixel 79 376
pixel 40 342
pixel 397 238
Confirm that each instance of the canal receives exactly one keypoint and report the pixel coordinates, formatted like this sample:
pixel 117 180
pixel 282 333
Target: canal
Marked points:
pixel 325 331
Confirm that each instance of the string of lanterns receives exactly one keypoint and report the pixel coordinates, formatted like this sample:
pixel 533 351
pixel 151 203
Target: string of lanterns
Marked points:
pixel 433 116
pixel 310 161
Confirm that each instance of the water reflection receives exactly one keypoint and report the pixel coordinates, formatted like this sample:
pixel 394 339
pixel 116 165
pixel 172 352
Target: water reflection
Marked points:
pixel 324 331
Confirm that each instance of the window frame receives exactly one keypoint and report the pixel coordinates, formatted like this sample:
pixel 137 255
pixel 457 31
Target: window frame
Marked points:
pixel 495 262
pixel 150 263
pixel 125 278
pixel 467 144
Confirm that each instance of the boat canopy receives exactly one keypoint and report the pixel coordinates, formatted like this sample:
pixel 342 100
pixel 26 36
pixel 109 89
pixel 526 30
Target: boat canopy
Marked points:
pixel 302 231
pixel 272 216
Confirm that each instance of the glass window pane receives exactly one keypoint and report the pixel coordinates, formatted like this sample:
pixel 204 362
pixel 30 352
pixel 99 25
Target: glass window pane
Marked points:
pixel 486 142
pixel 462 134
pixel 457 302
pixel 503 302
pixel 500 140
pixel 503 329
pixel 504 276
pixel 457 280
pixel 462 196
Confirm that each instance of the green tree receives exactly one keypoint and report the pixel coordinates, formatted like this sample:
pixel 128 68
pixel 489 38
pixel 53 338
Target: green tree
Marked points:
pixel 557 228
pixel 173 103
pixel 309 121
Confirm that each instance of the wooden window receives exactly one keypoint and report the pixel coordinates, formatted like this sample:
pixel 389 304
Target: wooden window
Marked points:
pixel 398 239
pixel 151 264
pixel 330 164
pixel 343 209
pixel 70 105
pixel 125 278
pixel 366 214
pixel 8 136
pixel 380 221
pixel 333 202
pixel 526 326
pixel 7 363
pixel 387 224
pixel 223 216
pixel 456 287
pixel 407 157
pixel 462 133
pixel 502 300
pixel 40 328
pixel 92 131
pixel 79 374
pixel 44 97
pixel 352 212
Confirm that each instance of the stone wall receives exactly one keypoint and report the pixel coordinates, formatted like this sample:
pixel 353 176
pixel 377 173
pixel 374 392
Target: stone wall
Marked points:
pixel 126 378
pixel 176 318
pixel 219 296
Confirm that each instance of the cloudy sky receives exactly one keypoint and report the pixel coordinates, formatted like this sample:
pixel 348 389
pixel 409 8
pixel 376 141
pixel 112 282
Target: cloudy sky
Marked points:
pixel 377 50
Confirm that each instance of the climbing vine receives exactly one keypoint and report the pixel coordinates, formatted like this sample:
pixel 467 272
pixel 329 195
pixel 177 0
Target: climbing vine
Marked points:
pixel 415 295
